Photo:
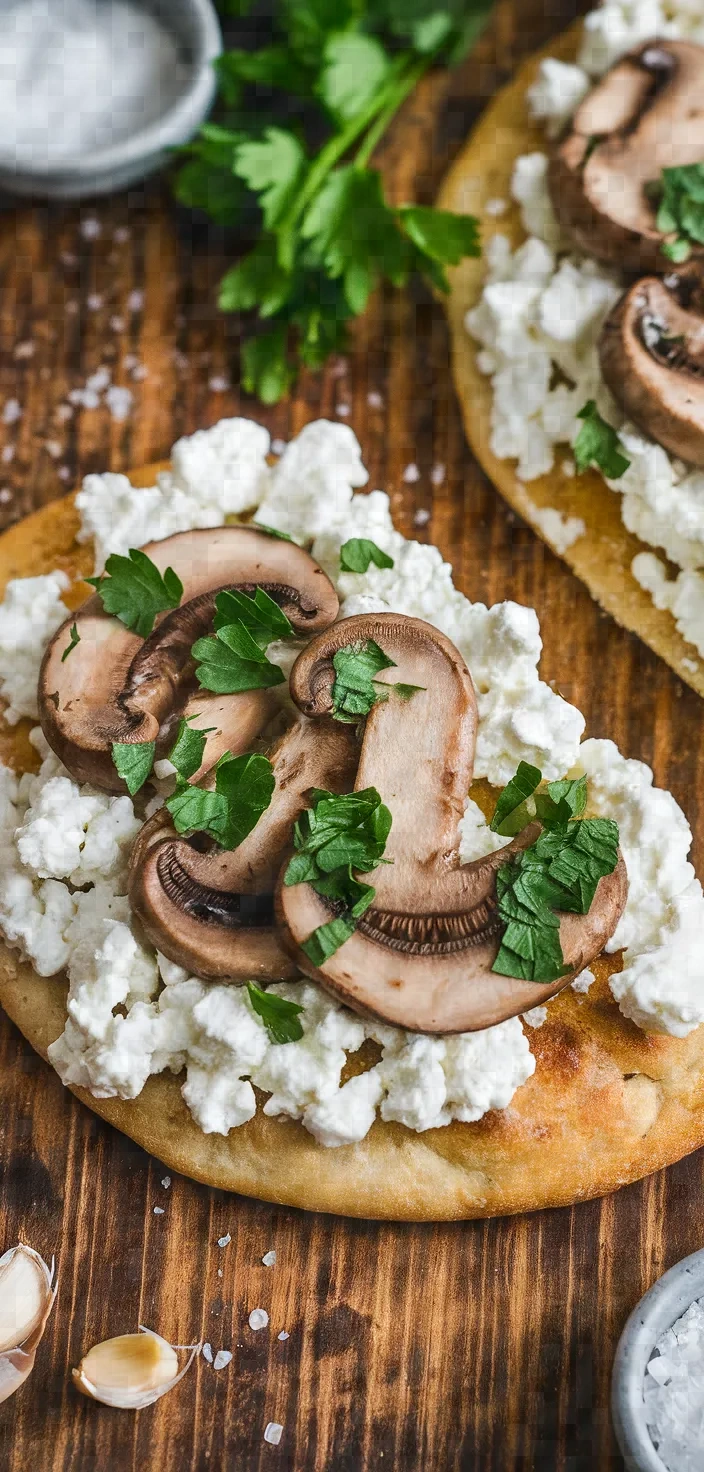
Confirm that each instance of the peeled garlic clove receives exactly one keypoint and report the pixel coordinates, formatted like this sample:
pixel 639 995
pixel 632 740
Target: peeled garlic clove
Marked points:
pixel 131 1371
pixel 27 1293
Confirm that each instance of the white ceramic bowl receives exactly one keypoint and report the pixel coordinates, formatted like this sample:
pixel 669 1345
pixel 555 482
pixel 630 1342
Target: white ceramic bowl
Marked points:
pixel 196 28
pixel 666 1301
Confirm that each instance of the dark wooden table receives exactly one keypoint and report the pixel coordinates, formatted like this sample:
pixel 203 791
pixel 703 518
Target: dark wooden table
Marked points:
pixel 474 1347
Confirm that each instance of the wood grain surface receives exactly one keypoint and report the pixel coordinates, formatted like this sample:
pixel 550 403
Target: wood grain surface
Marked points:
pixel 483 1347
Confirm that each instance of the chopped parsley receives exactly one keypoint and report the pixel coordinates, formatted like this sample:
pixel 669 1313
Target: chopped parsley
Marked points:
pixel 598 444
pixel 680 196
pixel 75 639
pixel 262 617
pixel 327 235
pixel 356 691
pixel 133 762
pixel 235 659
pixel 559 872
pixel 333 838
pixel 357 553
pixel 244 787
pixel 273 531
pixel 133 589
pixel 280 1017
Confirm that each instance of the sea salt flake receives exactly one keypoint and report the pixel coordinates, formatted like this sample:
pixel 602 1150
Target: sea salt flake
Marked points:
pixel 411 474
pixel 258 1319
pixel 224 1241
pixel 208 1353
pixel 422 517
pixel 283 1334
pixel 269 1259
pixel 437 474
pixel 166 1182
pixel 222 1359
pixel 91 228
pixel 343 410
pixel 94 302
pixel 135 301
pixel 273 1433
pixel 12 411
pixel 158 1211
pixel 375 400
pixel 5 495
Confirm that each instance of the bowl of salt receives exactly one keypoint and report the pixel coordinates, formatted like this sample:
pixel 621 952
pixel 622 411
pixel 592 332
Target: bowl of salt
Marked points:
pixel 657 1391
pixel 94 93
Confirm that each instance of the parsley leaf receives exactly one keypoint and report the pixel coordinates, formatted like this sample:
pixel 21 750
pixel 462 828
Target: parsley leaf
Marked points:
pixel 680 191
pixel 133 761
pixel 332 838
pixel 559 872
pixel 243 790
pixel 354 234
pixel 260 615
pixel 354 67
pixel 354 693
pixel 272 531
pixel 266 367
pixel 75 639
pixel 441 239
pixel 273 167
pixel 233 661
pixel 280 1017
pixel 358 552
pixel 187 751
pixel 598 444
pixel 512 814
pixel 135 591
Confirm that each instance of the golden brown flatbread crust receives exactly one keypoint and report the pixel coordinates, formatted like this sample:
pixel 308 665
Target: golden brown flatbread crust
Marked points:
pixel 605 1106
pixel 602 558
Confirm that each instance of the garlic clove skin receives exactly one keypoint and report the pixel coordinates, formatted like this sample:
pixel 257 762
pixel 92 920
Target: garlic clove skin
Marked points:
pixel 131 1371
pixel 27 1293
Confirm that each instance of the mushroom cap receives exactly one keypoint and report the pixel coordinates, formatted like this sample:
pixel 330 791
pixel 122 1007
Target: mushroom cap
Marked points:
pixel 646 114
pixel 116 686
pixel 652 357
pixel 211 909
pixel 421 956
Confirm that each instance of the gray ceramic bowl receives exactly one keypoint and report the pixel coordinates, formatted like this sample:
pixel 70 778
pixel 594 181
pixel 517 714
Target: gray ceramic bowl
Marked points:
pixel 195 26
pixel 667 1300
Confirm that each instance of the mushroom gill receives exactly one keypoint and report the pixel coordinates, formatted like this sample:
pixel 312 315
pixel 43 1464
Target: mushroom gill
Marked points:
pixel 211 909
pixel 652 357
pixel 646 114
pixel 117 687
pixel 421 956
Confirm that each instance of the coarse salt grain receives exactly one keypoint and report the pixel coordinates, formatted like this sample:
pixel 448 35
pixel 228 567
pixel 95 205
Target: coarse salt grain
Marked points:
pixel 422 517
pixel 94 302
pixel 258 1319
pixel 269 1259
pixel 219 384
pixel 437 474
pixel 11 412
pixel 411 474
pixel 222 1359
pixel 117 324
pixel 273 1433
pixel 283 1334
pixel 166 1182
pixel 343 410
pixel 375 400
pixel 224 1241
pixel 8 454
pixel 673 1392
pixel 158 1211
pixel 208 1353
pixel 135 301
pixel 91 229
pixel 5 495
pixel 24 350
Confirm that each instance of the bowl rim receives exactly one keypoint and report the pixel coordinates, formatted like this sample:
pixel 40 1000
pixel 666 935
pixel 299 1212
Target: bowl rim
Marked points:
pixel 658 1309
pixel 170 128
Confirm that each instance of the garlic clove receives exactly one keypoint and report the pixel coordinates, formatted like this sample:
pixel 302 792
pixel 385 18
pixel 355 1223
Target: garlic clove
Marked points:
pixel 131 1371
pixel 27 1293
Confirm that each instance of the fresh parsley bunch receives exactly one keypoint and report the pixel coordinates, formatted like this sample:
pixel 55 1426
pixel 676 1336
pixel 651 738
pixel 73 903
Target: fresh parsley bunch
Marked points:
pixel 333 837
pixel 328 236
pixel 560 871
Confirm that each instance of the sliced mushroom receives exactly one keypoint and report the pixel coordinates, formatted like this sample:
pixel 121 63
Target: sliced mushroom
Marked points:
pixel 211 910
pixel 645 115
pixel 421 957
pixel 115 686
pixel 652 357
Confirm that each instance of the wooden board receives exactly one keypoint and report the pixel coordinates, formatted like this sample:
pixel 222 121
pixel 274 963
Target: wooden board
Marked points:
pixel 484 1347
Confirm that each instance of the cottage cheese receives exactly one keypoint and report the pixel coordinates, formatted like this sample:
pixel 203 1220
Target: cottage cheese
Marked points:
pixel 542 308
pixel 30 613
pixel 63 851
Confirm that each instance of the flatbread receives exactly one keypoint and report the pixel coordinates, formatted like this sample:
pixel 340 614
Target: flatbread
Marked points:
pixel 602 558
pixel 606 1105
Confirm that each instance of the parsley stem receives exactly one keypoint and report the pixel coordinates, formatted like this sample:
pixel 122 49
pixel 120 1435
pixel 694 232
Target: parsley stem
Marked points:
pixel 385 117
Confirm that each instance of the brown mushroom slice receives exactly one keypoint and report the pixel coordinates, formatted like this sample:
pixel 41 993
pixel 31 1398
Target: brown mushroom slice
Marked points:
pixel 645 115
pixel 210 909
pixel 652 357
pixel 115 686
pixel 421 957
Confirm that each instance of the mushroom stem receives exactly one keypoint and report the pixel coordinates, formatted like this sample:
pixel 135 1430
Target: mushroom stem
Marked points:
pixel 421 955
pixel 211 910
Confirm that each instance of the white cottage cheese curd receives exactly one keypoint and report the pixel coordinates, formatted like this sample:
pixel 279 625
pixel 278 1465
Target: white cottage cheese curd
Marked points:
pixel 31 611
